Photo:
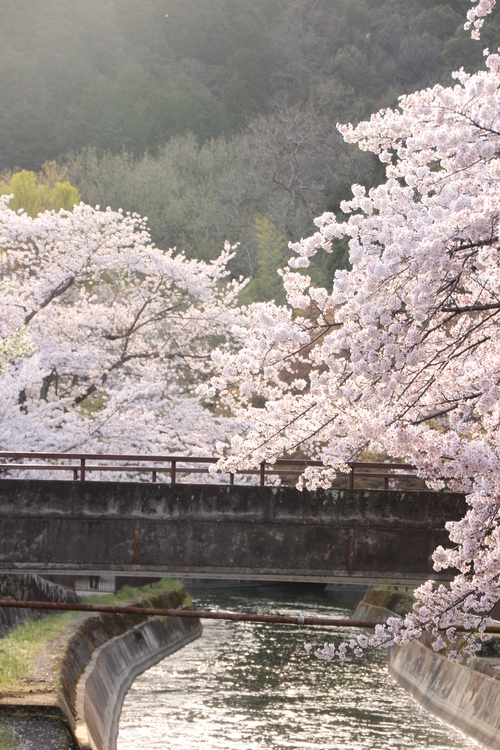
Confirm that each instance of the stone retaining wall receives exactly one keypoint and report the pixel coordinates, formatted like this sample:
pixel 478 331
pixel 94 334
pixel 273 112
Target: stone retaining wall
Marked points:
pixel 459 695
pixel 96 659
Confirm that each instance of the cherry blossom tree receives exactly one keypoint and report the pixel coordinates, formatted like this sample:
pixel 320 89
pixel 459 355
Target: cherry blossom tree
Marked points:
pixel 402 355
pixel 103 337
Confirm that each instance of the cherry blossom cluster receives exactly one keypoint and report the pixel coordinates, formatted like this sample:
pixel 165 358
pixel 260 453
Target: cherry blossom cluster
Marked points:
pixel 476 15
pixel 402 354
pixel 104 337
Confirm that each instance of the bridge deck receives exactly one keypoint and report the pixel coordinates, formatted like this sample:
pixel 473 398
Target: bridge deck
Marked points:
pixel 222 531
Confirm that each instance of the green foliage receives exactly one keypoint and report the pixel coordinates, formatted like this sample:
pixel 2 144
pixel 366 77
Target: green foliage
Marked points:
pixel 441 22
pixel 205 114
pixel 15 346
pixel 63 195
pixel 9 739
pixel 186 191
pixel 126 75
pixel 460 51
pixel 244 92
pixel 19 648
pixel 136 112
pixel 35 193
pixel 352 69
pixel 272 254
pixel 130 76
pixel 337 260
pixel 128 594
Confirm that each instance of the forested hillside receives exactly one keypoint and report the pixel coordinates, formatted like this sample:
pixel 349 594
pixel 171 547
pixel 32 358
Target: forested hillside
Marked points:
pixel 217 118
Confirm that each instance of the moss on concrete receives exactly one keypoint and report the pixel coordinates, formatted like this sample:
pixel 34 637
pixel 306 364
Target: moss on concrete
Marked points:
pixel 398 601
pixel 128 594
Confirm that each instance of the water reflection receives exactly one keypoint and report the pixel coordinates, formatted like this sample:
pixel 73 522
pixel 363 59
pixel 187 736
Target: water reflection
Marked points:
pixel 248 686
pixel 33 730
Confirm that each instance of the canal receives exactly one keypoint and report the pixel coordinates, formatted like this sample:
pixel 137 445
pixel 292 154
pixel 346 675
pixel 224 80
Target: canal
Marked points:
pixel 253 686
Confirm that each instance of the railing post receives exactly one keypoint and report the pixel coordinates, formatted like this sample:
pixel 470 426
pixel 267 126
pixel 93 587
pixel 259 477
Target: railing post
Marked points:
pixel 154 477
pixel 172 472
pixel 351 478
pixel 386 483
pixel 262 473
pixel 75 475
pixel 231 477
pixel 82 469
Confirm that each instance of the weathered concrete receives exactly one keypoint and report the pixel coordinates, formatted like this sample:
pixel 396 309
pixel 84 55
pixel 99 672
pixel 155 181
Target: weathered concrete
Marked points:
pixel 377 605
pixel 241 532
pixel 28 588
pixel 112 670
pixel 465 696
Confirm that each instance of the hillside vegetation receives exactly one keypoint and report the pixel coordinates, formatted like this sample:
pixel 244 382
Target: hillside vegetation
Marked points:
pixel 216 119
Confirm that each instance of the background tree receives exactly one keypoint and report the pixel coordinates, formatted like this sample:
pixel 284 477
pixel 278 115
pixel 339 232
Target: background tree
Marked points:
pixel 103 337
pixel 195 197
pixel 255 89
pixel 272 255
pixel 35 193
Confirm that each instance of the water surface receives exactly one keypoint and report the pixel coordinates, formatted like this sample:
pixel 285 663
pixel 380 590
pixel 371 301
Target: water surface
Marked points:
pixel 246 686
pixel 33 730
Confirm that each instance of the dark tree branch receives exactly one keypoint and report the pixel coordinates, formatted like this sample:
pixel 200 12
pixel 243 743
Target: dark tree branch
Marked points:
pixel 55 293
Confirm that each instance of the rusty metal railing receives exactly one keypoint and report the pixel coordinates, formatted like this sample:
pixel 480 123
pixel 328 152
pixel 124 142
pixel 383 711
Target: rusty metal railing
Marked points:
pixel 204 615
pixel 91 584
pixel 82 464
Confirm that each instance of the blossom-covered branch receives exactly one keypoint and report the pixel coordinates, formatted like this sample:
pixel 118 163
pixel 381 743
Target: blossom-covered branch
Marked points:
pixel 408 362
pixel 476 15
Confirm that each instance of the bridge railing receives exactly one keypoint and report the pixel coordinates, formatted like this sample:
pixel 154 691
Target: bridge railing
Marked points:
pixel 80 465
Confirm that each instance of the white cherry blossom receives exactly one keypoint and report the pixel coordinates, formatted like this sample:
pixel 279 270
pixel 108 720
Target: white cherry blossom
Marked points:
pixel 402 354
pixel 104 337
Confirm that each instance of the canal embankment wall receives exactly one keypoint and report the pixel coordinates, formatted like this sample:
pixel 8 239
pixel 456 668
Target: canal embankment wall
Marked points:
pixel 466 696
pixel 113 668
pixel 32 588
pixel 84 676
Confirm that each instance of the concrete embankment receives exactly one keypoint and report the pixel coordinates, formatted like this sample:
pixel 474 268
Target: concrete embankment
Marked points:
pixel 460 695
pixel 465 696
pixel 84 674
pixel 28 588
pixel 112 670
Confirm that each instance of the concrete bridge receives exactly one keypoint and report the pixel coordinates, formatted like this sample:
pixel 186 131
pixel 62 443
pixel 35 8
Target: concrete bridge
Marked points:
pixel 188 530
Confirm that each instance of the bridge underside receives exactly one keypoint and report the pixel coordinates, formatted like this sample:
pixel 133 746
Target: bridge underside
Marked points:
pixel 218 531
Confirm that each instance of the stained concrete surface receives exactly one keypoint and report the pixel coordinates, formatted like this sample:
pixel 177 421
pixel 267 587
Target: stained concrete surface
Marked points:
pixel 223 531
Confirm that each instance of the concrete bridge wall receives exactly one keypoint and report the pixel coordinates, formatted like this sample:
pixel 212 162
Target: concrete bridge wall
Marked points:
pixel 222 531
